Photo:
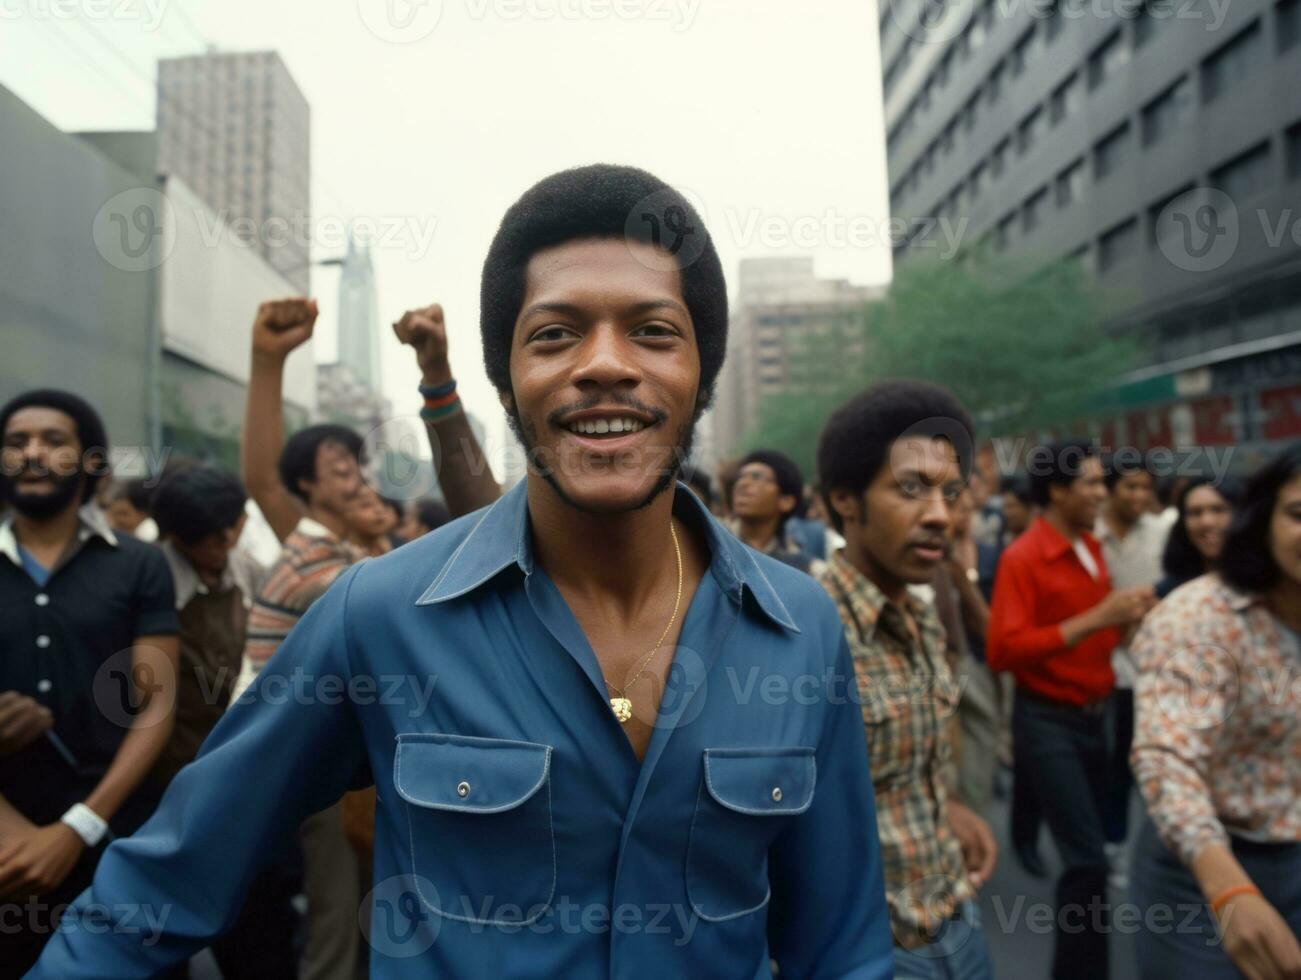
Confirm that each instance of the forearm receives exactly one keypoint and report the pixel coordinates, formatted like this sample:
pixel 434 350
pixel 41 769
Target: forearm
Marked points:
pixel 11 821
pixel 261 441
pixel 1217 870
pixel 464 475
pixel 155 657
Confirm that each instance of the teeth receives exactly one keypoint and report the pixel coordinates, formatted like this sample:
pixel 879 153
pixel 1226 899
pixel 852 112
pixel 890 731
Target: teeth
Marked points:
pixel 601 426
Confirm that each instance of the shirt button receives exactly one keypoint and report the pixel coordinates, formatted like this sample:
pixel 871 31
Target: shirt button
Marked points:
pixel 463 788
pixel 776 794
pixel 44 685
pixel 42 599
pixel 42 641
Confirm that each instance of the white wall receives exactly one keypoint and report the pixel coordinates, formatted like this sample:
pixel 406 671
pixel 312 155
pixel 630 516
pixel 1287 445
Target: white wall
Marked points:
pixel 209 288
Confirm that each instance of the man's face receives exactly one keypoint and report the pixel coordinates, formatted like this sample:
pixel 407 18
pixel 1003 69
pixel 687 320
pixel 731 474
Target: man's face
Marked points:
pixel 1079 502
pixel 1016 515
pixel 123 516
pixel 961 512
pixel 40 464
pixel 904 521
pixel 210 553
pixel 338 480
pixel 1285 530
pixel 368 516
pixel 604 372
pixel 1207 516
pixel 756 495
pixel 1131 496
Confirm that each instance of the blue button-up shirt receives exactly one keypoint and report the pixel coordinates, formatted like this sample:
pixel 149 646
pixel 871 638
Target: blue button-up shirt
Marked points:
pixel 516 832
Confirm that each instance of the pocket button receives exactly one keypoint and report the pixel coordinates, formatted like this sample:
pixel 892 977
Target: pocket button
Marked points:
pixel 462 789
pixel 776 794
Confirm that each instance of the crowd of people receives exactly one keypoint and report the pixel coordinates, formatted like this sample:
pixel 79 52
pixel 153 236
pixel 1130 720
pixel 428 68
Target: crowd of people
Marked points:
pixel 1073 634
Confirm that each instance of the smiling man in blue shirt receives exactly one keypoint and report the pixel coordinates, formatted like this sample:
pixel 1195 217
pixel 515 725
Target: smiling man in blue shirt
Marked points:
pixel 642 754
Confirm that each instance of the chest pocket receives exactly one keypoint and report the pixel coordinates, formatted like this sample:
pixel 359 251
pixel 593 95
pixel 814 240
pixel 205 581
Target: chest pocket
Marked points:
pixel 746 798
pixel 483 849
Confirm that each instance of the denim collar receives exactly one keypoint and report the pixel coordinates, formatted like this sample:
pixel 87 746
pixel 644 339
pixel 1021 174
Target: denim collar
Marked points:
pixel 501 539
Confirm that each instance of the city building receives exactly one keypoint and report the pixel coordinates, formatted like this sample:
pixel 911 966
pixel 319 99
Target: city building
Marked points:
pixel 359 316
pixel 236 128
pixel 780 306
pixel 117 289
pixel 1158 144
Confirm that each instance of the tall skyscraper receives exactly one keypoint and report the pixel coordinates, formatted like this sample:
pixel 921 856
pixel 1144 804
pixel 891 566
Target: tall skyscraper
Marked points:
pixel 780 305
pixel 359 316
pixel 237 129
pixel 1159 146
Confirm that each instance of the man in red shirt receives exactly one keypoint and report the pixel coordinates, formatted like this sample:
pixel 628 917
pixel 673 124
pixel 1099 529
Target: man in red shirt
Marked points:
pixel 1053 623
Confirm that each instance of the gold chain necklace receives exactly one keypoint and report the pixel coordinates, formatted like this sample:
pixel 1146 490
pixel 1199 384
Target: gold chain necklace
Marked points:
pixel 621 705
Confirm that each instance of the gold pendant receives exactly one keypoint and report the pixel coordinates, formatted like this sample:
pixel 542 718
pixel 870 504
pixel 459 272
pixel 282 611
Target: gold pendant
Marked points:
pixel 622 709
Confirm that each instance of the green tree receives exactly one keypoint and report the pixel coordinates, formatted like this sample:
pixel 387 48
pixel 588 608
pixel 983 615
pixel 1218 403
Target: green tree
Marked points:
pixel 1022 350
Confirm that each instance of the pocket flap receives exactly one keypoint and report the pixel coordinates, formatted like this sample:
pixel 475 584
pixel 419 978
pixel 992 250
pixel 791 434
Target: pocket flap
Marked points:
pixel 472 775
pixel 761 781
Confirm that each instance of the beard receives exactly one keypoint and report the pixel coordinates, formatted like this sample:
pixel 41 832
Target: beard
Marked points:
pixel 41 506
pixel 526 432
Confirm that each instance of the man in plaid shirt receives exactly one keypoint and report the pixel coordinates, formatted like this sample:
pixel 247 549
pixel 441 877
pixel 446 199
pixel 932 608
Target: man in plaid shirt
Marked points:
pixel 892 463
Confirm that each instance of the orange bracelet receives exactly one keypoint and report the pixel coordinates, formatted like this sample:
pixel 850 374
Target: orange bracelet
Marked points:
pixel 1219 901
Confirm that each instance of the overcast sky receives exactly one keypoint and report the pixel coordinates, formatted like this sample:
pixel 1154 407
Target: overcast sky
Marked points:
pixel 432 119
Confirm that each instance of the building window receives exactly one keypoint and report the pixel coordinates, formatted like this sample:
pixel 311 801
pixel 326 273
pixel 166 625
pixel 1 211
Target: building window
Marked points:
pixel 1117 244
pixel 1065 99
pixel 1168 111
pixel 976 182
pixel 1032 210
pixel 1052 23
pixel 969 113
pixel 1107 59
pixel 1232 62
pixel 1293 149
pixel 1288 14
pixel 994 85
pixel 1111 151
pixel 1245 174
pixel 1144 26
pixel 1003 233
pixel 1154 229
pixel 1028 131
pixel 1026 50
pixel 998 158
pixel 1070 184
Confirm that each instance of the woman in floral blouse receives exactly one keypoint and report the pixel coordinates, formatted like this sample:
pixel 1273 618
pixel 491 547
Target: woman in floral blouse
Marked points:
pixel 1217 753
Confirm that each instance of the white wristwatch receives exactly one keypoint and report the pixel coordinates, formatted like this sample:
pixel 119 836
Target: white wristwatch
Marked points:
pixel 87 824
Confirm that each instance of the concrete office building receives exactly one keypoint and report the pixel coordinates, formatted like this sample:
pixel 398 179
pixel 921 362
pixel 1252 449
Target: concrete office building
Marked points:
pixel 359 316
pixel 235 127
pixel 1160 145
pixel 780 305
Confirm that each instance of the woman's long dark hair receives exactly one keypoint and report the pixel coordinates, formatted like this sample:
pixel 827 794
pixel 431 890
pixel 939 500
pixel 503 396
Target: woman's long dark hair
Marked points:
pixel 1247 563
pixel 1182 561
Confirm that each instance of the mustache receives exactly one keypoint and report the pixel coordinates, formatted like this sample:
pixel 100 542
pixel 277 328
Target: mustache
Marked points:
pixel 606 401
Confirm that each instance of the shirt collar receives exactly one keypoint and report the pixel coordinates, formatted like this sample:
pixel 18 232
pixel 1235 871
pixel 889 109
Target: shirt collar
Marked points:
pixel 188 582
pixel 866 595
pixel 91 523
pixel 1052 543
pixel 501 539
pixel 314 529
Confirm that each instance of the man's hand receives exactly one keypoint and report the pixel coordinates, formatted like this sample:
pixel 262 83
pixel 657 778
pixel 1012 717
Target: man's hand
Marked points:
pixel 37 861
pixel 979 851
pixel 1125 606
pixel 281 326
pixel 425 331
pixel 1258 939
pixel 22 721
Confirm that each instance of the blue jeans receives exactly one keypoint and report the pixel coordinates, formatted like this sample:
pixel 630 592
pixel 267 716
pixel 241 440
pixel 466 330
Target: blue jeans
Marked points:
pixel 958 952
pixel 1065 755
pixel 1185 941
